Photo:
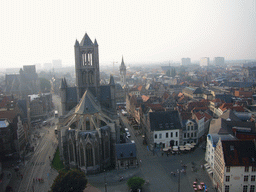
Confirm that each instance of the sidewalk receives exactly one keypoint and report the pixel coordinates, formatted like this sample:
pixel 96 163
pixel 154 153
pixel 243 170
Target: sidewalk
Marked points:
pixel 6 179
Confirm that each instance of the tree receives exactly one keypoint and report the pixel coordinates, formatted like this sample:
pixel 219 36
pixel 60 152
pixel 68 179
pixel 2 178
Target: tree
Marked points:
pixel 135 183
pixel 71 181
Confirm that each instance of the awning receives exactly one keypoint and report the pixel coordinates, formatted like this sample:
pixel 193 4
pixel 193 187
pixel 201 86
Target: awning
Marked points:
pixel 165 149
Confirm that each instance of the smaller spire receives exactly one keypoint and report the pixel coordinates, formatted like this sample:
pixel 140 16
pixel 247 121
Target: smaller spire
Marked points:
pixel 62 84
pixel 122 63
pixel 95 42
pixel 76 44
pixel 111 81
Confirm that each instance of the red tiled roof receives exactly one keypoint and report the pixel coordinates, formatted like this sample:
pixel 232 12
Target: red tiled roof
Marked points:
pixel 145 98
pixel 186 115
pixel 10 115
pixel 156 107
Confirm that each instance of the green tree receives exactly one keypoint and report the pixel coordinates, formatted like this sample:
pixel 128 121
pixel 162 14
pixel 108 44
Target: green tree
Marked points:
pixel 45 85
pixel 135 183
pixel 71 181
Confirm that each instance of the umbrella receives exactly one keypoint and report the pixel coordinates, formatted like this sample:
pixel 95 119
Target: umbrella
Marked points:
pixel 182 149
pixel 193 143
pixel 175 149
pixel 181 146
pixel 188 144
pixel 165 149
pixel 192 146
pixel 187 148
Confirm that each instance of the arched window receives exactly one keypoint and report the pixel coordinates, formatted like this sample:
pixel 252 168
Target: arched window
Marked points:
pixel 106 147
pixel 82 155
pixel 71 151
pixel 89 155
pixel 87 123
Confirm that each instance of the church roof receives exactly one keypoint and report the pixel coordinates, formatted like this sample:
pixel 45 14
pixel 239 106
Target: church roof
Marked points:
pixel 86 41
pixel 122 63
pixel 87 104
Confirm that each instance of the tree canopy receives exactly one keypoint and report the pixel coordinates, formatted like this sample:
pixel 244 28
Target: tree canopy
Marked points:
pixel 71 181
pixel 135 183
pixel 45 85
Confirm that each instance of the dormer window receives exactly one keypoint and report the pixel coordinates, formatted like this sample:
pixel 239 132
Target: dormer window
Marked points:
pixel 131 153
pixel 121 155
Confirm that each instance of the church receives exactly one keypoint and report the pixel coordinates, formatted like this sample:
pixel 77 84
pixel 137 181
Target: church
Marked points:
pixel 89 125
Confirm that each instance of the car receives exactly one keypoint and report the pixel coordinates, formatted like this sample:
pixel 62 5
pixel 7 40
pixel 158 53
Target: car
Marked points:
pixel 128 134
pixel 126 129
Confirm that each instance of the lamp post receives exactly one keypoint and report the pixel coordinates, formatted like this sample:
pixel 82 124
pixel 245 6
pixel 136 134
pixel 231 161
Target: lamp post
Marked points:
pixel 178 171
pixel 105 181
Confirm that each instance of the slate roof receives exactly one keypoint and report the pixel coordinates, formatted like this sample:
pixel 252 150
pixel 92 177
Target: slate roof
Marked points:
pixel 237 84
pixel 229 114
pixel 239 153
pixel 125 150
pixel 164 120
pixel 71 94
pixel 86 41
pixel 214 138
pixel 87 104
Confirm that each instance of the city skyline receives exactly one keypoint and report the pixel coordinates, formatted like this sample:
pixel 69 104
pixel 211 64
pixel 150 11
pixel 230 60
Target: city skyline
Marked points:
pixel 143 32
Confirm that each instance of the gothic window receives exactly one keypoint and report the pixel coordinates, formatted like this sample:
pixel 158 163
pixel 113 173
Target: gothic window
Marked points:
pixel 83 59
pixel 90 77
pixel 96 152
pixel 71 151
pixel 87 124
pixel 82 155
pixel 89 58
pixel 84 77
pixel 89 155
pixel 106 147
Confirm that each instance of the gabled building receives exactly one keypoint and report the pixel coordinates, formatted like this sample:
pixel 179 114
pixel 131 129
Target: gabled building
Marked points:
pixel 235 166
pixel 164 129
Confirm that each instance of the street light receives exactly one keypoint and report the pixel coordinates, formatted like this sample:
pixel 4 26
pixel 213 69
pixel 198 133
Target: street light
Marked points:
pixel 105 181
pixel 178 171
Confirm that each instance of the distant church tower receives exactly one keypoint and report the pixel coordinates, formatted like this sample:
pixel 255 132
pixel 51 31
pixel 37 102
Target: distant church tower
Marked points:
pixel 87 67
pixel 123 72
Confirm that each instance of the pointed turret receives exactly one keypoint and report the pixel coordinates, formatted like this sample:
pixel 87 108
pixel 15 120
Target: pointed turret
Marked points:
pixel 122 63
pixel 76 44
pixel 111 80
pixel 86 41
pixel 62 86
pixel 95 43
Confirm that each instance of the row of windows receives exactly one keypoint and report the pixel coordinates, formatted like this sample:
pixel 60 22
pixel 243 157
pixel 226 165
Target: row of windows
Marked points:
pixel 166 135
pixel 246 178
pixel 246 169
pixel 188 135
pixel 245 188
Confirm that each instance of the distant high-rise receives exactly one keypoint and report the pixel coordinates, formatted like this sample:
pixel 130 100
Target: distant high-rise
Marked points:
pixel 56 63
pixel 185 61
pixel 219 61
pixel 204 61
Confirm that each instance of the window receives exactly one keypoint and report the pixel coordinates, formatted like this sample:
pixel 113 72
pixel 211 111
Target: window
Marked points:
pixel 185 135
pixel 227 188
pixel 191 134
pixel 252 188
pixel 166 135
pixel 253 169
pixel 192 127
pixel 155 136
pixel 227 178
pixel 188 134
pixel 253 178
pixel 188 128
pixel 195 134
pixel 176 143
pixel 171 134
pixel 176 134
pixel 227 169
pixel 245 187
pixel 160 136
pixel 246 178
pixel 246 169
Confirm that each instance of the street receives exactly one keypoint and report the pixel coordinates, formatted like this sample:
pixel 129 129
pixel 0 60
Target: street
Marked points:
pixel 158 169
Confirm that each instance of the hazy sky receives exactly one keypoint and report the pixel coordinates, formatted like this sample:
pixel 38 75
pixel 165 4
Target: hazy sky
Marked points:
pixel 141 30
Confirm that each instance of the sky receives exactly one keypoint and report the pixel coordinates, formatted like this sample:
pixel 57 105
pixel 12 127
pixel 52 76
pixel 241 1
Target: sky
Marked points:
pixel 142 31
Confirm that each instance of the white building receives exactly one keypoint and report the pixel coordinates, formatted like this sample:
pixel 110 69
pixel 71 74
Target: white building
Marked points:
pixel 235 166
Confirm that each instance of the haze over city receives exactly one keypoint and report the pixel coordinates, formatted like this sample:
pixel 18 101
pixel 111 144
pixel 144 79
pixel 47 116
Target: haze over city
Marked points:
pixel 142 31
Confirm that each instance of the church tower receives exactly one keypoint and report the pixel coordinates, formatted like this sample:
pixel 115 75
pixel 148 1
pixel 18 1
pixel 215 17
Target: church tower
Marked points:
pixel 123 72
pixel 87 67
